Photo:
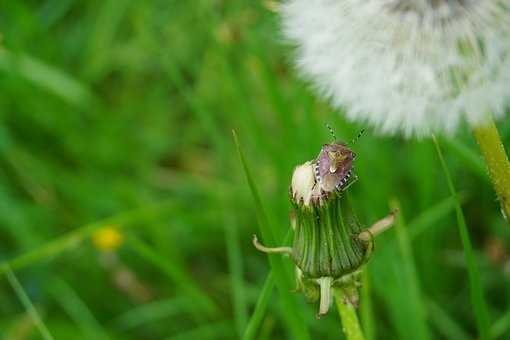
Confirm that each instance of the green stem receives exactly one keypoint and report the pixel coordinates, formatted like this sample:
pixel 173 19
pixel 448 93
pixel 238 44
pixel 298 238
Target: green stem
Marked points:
pixel 25 300
pixel 496 159
pixel 350 322
pixel 475 285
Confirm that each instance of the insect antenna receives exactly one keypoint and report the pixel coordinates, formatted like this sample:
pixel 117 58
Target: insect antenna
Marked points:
pixel 331 131
pixel 362 131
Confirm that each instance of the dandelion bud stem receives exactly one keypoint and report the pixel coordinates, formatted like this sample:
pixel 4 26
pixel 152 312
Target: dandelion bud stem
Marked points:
pixel 350 322
pixel 496 159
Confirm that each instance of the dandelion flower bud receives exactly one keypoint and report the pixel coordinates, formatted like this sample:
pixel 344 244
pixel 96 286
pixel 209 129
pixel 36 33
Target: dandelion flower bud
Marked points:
pixel 410 66
pixel 326 250
pixel 303 182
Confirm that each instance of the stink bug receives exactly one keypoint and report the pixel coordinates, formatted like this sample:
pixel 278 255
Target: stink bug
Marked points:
pixel 333 166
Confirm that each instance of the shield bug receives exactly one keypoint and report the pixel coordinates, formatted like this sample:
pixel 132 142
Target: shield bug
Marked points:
pixel 334 164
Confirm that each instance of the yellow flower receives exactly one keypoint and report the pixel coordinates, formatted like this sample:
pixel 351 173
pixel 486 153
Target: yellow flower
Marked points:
pixel 107 238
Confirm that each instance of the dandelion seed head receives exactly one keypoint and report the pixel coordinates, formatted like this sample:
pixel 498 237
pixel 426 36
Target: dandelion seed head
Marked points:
pixel 410 66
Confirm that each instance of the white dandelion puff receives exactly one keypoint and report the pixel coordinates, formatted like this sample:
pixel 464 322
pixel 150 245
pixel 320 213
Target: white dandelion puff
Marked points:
pixel 414 66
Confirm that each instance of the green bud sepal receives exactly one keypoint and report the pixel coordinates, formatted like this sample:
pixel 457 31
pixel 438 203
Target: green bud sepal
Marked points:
pixel 326 242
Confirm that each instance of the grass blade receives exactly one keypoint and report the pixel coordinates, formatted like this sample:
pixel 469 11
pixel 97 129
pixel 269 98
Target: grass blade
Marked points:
pixel 477 298
pixel 260 309
pixel 429 217
pixel 73 238
pixel 152 312
pixel 101 37
pixel 472 160
pixel 291 312
pixel 45 76
pixel 410 275
pixel 235 264
pixel 261 305
pixel 218 330
pixel 501 326
pixel 175 273
pixel 444 323
pixel 25 300
pixel 70 301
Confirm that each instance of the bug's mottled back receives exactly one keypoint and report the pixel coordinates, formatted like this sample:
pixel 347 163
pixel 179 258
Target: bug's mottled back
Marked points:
pixel 334 166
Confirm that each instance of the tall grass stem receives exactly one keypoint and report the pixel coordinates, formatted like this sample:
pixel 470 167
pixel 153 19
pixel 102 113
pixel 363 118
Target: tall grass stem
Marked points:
pixel 25 300
pixel 477 298
pixel 292 314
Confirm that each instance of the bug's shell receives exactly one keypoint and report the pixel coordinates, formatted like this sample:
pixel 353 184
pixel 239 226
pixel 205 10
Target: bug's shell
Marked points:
pixel 333 172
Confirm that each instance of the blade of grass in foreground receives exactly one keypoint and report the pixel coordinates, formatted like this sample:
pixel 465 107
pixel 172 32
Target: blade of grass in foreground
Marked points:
pixel 235 266
pixel 477 298
pixel 292 314
pixel 260 309
pixel 410 276
pixel 25 300
pixel 261 306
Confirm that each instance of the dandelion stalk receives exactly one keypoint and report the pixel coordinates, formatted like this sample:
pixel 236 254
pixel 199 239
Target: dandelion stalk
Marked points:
pixel 496 159
pixel 350 322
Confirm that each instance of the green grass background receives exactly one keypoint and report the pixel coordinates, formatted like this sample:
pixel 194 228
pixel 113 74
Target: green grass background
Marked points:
pixel 120 113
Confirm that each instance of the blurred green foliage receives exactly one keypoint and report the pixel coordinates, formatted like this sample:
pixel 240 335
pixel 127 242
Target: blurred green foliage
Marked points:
pixel 119 114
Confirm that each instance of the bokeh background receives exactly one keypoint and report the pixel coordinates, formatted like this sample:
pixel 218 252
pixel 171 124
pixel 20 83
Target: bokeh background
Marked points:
pixel 124 210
